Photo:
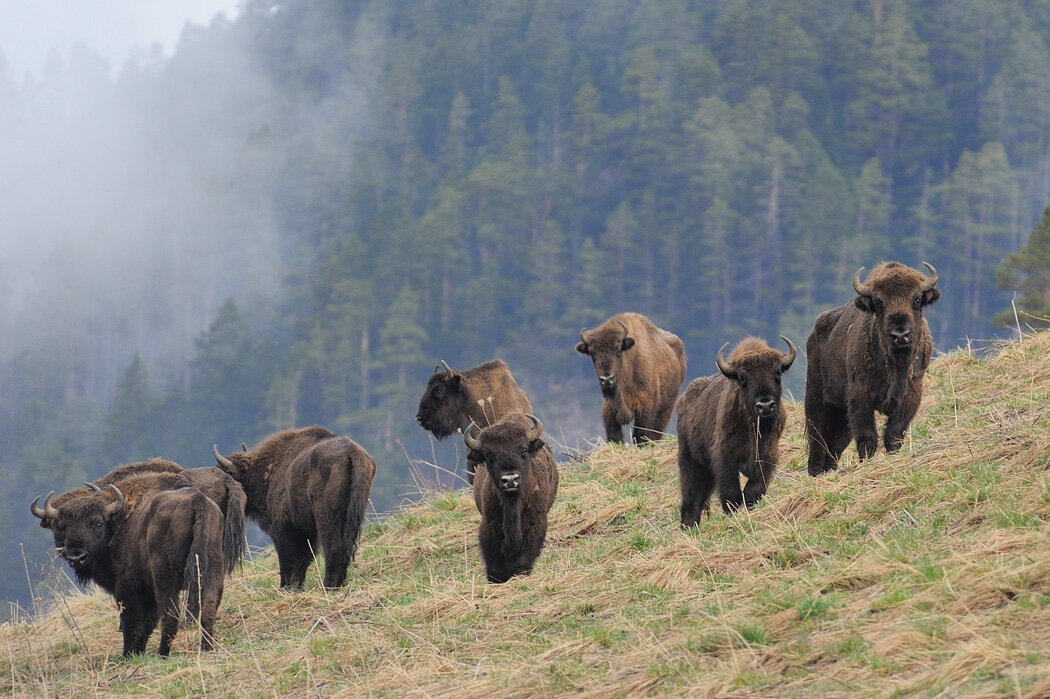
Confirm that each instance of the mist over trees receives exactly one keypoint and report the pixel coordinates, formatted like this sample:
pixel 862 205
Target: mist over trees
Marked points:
pixel 297 215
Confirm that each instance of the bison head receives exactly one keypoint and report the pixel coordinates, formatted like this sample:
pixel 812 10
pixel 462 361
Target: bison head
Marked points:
pixel 605 346
pixel 83 526
pixel 443 407
pixel 895 295
pixel 756 370
pixel 506 449
pixel 234 468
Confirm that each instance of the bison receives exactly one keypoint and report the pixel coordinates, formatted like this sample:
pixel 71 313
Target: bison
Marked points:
pixel 307 489
pixel 730 424
pixel 640 369
pixel 213 482
pixel 513 492
pixel 868 355
pixel 483 395
pixel 145 542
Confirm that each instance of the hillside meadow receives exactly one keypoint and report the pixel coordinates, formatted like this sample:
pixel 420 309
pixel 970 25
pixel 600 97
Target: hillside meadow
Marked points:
pixel 925 573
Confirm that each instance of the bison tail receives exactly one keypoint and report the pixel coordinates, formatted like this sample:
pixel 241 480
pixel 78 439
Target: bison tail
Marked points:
pixel 361 474
pixel 196 571
pixel 234 543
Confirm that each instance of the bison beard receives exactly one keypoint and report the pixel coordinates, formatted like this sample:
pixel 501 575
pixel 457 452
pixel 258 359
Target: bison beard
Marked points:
pixel 308 490
pixel 730 424
pixel 868 355
pixel 145 546
pixel 640 369
pixel 513 491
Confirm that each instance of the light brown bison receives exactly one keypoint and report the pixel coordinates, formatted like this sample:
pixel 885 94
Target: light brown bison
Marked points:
pixel 308 490
pixel 640 369
pixel 868 355
pixel 145 542
pixel 513 491
pixel 730 424
pixel 483 395
pixel 213 482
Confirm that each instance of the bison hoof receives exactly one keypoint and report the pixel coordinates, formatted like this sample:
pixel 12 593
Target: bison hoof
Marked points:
pixel 894 445
pixel 816 469
pixel 866 448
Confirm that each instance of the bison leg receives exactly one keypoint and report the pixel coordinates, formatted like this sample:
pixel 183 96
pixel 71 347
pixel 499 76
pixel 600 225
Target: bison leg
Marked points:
pixel 758 483
pixel 611 421
pixel 490 542
pixel 728 476
pixel 897 423
pixel 138 618
pixel 293 559
pixel 697 482
pixel 169 622
pixel 861 416
pixel 827 440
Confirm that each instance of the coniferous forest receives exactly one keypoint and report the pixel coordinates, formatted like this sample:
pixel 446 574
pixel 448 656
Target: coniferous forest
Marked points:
pixel 293 218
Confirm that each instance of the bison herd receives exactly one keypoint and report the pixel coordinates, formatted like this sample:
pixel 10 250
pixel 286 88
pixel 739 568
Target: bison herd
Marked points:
pixel 150 531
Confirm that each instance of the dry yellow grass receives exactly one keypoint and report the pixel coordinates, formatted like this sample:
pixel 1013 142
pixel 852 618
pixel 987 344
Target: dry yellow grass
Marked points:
pixel 924 573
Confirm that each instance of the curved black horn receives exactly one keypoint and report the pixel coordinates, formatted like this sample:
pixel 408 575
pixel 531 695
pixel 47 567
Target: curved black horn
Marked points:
pixel 537 427
pixel 786 360
pixel 48 512
pixel 931 280
pixel 118 504
pixel 219 458
pixel 244 447
pixel 861 289
pixel 468 437
pixel 723 367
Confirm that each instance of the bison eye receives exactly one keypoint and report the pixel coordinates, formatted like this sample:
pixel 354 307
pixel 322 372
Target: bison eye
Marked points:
pixel 439 391
pixel 523 450
pixel 98 525
pixel 916 302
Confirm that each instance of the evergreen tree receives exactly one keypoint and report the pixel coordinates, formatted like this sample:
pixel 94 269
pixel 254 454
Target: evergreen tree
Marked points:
pixel 1027 273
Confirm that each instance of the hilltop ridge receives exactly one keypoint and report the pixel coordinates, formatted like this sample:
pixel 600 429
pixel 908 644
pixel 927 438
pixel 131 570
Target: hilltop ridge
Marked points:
pixel 916 574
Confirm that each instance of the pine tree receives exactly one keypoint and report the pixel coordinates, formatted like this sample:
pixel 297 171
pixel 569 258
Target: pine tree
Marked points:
pixel 1027 273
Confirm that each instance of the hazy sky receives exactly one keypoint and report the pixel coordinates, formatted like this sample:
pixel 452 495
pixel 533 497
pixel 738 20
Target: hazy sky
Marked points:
pixel 29 29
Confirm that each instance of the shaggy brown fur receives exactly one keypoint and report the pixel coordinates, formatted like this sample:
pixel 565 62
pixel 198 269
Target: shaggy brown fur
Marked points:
pixel 730 424
pixel 145 541
pixel 868 355
pixel 308 490
pixel 513 491
pixel 213 482
pixel 640 369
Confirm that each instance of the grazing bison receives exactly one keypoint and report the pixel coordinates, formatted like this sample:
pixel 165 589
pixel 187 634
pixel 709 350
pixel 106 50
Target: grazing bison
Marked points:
pixel 307 489
pixel 640 369
pixel 868 355
pixel 145 542
pixel 213 482
pixel 513 492
pixel 730 424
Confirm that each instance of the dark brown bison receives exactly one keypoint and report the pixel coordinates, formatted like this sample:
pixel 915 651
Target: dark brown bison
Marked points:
pixel 513 492
pixel 213 482
pixel 145 542
pixel 640 369
pixel 868 355
pixel 730 424
pixel 483 395
pixel 307 489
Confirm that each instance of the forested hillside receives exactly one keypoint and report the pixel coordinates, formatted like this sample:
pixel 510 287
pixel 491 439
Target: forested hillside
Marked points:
pixel 297 215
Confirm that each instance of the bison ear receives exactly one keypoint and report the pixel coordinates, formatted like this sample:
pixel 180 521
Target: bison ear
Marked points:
pixel 930 296
pixel 535 445
pixel 456 379
pixel 581 347
pixel 864 303
pixel 628 343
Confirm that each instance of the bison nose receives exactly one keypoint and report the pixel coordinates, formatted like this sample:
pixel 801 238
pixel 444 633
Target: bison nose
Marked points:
pixel 419 420
pixel 74 555
pixel 766 406
pixel 901 337
pixel 510 482
pixel 607 381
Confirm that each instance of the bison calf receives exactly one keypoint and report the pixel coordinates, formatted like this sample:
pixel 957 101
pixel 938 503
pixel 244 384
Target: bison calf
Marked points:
pixel 308 490
pixel 640 369
pixel 145 543
pixel 868 355
pixel 730 424
pixel 513 492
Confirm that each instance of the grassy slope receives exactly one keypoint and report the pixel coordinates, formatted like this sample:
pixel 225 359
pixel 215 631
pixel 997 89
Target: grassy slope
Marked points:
pixel 922 574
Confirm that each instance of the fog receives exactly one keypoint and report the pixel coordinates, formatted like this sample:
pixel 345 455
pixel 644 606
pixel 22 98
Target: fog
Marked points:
pixel 128 211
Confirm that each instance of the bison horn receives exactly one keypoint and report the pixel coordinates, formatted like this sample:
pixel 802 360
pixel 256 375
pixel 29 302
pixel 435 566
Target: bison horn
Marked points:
pixel 92 487
pixel 219 458
pixel 468 437
pixel 447 367
pixel 861 289
pixel 624 326
pixel 930 280
pixel 537 427
pixel 786 360
pixel 726 369
pixel 48 512
pixel 118 504
pixel 244 447
pixel 582 331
